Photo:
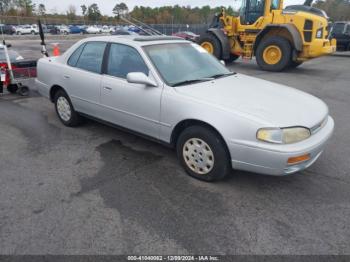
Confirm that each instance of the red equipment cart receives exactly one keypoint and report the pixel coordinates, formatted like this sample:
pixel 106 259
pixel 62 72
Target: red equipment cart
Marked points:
pixel 16 76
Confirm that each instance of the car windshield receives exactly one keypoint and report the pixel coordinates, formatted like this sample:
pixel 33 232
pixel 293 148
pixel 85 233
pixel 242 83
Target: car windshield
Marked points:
pixel 185 63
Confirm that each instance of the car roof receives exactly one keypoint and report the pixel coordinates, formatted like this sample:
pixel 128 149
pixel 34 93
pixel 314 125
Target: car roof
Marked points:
pixel 137 40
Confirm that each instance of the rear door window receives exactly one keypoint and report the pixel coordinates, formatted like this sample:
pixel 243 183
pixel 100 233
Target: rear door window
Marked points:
pixel 91 57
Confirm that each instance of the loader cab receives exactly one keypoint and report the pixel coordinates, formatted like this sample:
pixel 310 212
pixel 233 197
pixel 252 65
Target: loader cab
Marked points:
pixel 252 10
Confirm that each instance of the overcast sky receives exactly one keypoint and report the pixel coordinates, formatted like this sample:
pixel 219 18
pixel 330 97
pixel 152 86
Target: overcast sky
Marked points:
pixel 107 5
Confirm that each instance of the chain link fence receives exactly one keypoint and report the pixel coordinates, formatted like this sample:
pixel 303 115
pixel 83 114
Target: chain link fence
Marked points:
pixel 167 29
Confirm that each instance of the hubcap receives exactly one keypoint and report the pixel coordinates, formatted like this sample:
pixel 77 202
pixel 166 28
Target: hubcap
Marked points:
pixel 198 156
pixel 272 54
pixel 63 108
pixel 208 46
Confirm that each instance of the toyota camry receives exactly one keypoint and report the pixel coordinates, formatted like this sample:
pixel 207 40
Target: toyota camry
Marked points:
pixel 173 91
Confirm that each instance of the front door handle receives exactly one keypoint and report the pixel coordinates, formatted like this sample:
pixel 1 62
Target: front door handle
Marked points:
pixel 66 77
pixel 107 88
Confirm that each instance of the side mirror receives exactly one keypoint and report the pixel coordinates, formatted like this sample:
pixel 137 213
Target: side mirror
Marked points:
pixel 140 78
pixel 9 45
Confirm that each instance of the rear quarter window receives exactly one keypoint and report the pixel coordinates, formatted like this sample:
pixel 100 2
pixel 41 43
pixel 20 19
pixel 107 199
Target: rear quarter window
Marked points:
pixel 72 61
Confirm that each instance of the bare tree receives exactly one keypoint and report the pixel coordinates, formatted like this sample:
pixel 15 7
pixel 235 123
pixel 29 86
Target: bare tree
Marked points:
pixel 41 9
pixel 71 13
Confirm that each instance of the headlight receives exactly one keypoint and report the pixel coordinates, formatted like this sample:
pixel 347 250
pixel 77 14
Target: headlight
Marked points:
pixel 283 135
pixel 319 33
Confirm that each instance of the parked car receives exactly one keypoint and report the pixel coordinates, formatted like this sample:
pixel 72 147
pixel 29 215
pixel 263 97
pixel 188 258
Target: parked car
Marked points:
pixel 27 29
pixel 341 32
pixel 175 92
pixel 93 30
pixel 107 30
pixel 7 29
pixel 54 30
pixel 75 30
pixel 187 35
pixel 64 30
pixel 123 32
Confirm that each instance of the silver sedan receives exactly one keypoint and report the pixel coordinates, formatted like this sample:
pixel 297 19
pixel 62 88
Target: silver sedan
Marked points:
pixel 174 92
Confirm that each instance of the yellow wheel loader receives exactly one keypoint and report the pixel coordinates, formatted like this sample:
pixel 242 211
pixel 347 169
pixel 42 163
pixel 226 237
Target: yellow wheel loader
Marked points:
pixel 278 38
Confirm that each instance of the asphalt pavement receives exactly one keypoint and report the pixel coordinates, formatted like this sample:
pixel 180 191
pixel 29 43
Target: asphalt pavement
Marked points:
pixel 97 190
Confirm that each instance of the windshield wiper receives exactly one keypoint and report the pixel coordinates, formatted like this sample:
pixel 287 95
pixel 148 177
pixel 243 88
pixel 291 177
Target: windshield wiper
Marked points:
pixel 192 81
pixel 223 75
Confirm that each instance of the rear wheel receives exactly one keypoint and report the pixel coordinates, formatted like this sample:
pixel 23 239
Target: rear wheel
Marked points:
pixel 203 154
pixel 65 111
pixel 210 43
pixel 274 54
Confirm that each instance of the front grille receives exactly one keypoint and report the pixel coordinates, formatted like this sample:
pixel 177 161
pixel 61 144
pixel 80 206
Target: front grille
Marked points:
pixel 307 36
pixel 308 30
pixel 308 25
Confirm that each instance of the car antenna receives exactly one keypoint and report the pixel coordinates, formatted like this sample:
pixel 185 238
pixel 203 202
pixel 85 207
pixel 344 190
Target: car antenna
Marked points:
pixel 42 37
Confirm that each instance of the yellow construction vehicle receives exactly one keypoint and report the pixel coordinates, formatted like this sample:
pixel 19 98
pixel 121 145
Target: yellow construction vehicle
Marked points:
pixel 278 38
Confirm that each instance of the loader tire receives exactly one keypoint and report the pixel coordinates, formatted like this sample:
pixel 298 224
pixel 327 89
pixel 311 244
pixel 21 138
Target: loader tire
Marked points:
pixel 295 64
pixel 274 54
pixel 231 59
pixel 210 43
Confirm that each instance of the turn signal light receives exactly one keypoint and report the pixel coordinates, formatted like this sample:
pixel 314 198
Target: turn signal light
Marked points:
pixel 298 159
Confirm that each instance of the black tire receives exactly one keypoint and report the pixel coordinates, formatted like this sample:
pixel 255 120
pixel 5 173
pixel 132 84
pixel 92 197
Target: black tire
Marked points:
pixel 295 64
pixel 209 37
pixel 231 59
pixel 221 166
pixel 75 119
pixel 285 48
pixel 12 89
pixel 23 91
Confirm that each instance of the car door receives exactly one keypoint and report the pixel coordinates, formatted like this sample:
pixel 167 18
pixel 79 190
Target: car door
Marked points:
pixel 82 77
pixel 133 106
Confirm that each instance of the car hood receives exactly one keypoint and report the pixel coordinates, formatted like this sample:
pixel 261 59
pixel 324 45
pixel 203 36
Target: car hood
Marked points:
pixel 262 101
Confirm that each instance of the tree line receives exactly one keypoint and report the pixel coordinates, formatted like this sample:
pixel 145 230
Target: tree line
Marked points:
pixel 336 10
pixel 92 13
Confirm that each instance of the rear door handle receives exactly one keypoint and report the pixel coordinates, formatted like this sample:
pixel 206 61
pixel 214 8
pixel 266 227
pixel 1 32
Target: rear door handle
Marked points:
pixel 107 88
pixel 66 77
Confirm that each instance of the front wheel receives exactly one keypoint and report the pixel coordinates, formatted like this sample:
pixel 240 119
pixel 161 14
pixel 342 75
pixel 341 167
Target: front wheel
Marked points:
pixel 203 154
pixel 210 43
pixel 295 64
pixel 274 54
pixel 65 111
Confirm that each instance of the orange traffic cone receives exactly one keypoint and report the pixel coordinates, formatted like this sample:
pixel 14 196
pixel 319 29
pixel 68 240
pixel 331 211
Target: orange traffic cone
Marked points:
pixel 56 50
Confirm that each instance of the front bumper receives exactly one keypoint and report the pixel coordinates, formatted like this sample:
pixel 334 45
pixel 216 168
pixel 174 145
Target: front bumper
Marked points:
pixel 272 159
pixel 319 47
